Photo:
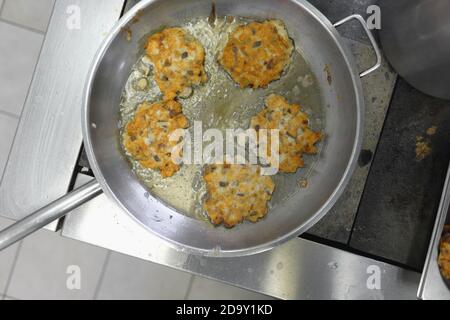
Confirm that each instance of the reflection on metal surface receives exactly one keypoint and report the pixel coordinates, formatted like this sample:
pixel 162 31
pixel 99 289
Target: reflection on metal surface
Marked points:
pixel 416 41
pixel 298 269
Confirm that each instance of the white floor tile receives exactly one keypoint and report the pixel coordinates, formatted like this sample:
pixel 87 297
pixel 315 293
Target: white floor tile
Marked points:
pixel 19 52
pixel 1 2
pixel 8 127
pixel 30 13
pixel 6 259
pixel 131 278
pixel 47 262
pixel 205 289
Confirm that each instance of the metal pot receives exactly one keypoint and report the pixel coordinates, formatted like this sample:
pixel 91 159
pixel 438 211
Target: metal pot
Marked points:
pixel 415 35
pixel 338 77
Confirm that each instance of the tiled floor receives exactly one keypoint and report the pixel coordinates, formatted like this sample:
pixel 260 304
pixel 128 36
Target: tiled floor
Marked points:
pixel 46 265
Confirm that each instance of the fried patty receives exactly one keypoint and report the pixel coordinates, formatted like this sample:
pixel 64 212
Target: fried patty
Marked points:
pixel 236 193
pixel 147 136
pixel 257 53
pixel 178 60
pixel 295 138
pixel 444 254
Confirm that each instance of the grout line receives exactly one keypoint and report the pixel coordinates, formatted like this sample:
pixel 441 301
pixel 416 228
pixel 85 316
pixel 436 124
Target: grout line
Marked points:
pixel 1 7
pixel 102 275
pixel 189 288
pixel 16 257
pixel 9 114
pixel 18 25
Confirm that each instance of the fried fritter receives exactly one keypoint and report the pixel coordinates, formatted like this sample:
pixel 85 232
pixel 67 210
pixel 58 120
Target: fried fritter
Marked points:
pixel 178 60
pixel 444 254
pixel 257 53
pixel 295 138
pixel 147 136
pixel 236 193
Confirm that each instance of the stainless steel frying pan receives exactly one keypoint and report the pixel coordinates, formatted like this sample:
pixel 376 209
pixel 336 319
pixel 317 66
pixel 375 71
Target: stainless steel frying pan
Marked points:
pixel 340 85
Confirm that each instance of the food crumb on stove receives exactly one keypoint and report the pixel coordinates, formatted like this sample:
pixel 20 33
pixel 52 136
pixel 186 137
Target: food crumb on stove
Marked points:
pixel 423 149
pixel 431 131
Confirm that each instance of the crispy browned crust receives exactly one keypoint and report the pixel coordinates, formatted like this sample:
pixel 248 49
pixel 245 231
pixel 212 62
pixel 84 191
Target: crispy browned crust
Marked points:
pixel 257 53
pixel 296 137
pixel 147 136
pixel 178 59
pixel 236 193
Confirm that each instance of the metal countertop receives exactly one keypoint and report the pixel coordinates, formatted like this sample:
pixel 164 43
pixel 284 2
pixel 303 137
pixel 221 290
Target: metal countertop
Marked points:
pixel 299 269
pixel 47 143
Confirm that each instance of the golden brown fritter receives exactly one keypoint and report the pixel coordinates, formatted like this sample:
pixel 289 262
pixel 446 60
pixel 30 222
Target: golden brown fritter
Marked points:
pixel 178 59
pixel 257 53
pixel 296 137
pixel 236 193
pixel 444 254
pixel 147 136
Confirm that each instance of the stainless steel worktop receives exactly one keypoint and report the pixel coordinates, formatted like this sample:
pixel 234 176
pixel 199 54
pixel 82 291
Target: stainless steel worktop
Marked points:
pixel 50 134
pixel 48 140
pixel 299 269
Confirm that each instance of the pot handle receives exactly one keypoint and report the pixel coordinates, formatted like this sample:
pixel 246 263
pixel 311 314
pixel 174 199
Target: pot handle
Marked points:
pixel 49 213
pixel 371 38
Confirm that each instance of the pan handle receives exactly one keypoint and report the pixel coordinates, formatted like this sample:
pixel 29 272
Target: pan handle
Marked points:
pixel 371 38
pixel 49 213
